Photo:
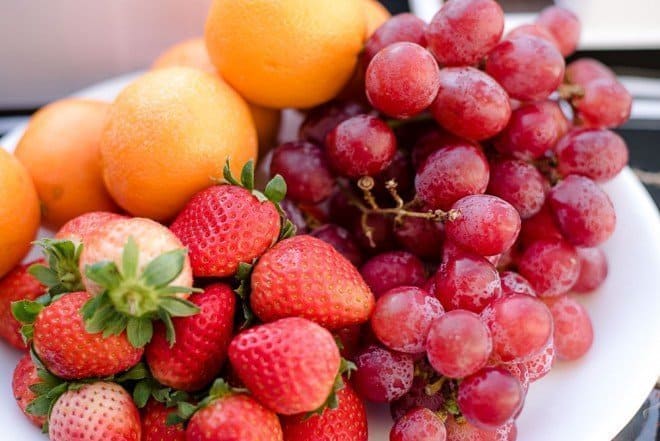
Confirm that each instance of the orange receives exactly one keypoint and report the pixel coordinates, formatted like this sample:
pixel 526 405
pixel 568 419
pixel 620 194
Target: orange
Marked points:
pixel 193 53
pixel 168 134
pixel 286 53
pixel 60 150
pixel 376 14
pixel 19 212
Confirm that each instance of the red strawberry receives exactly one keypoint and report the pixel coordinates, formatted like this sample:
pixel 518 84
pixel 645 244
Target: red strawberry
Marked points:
pixel 18 284
pixel 289 365
pixel 69 351
pixel 201 341
pixel 348 422
pixel 306 277
pixel 98 411
pixel 223 226
pixel 82 226
pixel 154 424
pixel 229 416
pixel 25 375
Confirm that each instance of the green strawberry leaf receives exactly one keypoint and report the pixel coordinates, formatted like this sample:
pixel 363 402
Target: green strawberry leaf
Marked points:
pixel 142 393
pixel 39 406
pixel 184 411
pixel 288 229
pixel 161 271
pixel 44 274
pixel 178 307
pixel 137 372
pixel 275 190
pixel 104 273
pixel 247 175
pixel 61 275
pixel 226 173
pixel 170 333
pixel 139 331
pixel 26 311
pixel 129 258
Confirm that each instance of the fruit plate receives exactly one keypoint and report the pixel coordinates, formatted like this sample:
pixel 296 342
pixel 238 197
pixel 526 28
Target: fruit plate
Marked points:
pixel 590 399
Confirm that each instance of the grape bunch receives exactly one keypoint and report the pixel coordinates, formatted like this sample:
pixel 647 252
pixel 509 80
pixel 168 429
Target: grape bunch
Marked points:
pixel 463 180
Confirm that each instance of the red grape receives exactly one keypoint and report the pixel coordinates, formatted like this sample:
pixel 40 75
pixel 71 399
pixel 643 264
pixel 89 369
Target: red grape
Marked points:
pixel 451 173
pixel 341 240
pixel 533 129
pixel 520 184
pixel 433 140
pixel 401 172
pixel 382 376
pixel 564 27
pixel 529 68
pixel 604 103
pixel 520 373
pixel 514 283
pixel 342 212
pixel 458 344
pixel 470 103
pixel 538 366
pixel 419 424
pixel 534 30
pixel 349 340
pixel 586 70
pixel 402 80
pixel 401 27
pixel 463 431
pixel 486 225
pixel 421 237
pixel 573 330
pixel 391 270
pixel 465 281
pixel 489 398
pixel 320 120
pixel 593 269
pixel 598 154
pixel 305 170
pixel 361 145
pixel 583 211
pixel 540 226
pixel 551 266
pixel 416 397
pixel 294 214
pixel 520 325
pixel 464 31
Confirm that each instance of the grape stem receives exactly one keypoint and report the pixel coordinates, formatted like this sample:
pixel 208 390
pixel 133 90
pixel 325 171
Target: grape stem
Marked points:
pixel 396 123
pixel 569 91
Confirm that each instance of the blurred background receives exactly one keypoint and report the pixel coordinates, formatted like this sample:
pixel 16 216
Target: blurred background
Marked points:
pixel 51 48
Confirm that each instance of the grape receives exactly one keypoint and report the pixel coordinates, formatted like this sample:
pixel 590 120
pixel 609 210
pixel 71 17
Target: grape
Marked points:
pixel 598 154
pixel 433 140
pixel 583 211
pixel 529 68
pixel 342 212
pixel 382 376
pixel 320 120
pixel 489 398
pixel 382 233
pixel 416 397
pixel 341 240
pixel 514 283
pixel 401 172
pixel 564 27
pixel 604 103
pixel 593 269
pixel 421 237
pixel 533 30
pixel 573 330
pixel 470 103
pixel 520 184
pixel 465 281
pixel 551 266
pixel 458 344
pixel 486 225
pixel 294 214
pixel 401 27
pixel 419 424
pixel 402 80
pixel 538 366
pixel 586 70
pixel 305 170
pixel 349 340
pixel 464 431
pixel 391 270
pixel 519 372
pixel 520 326
pixel 462 32
pixel 451 173
pixel 540 226
pixel 533 129
pixel 402 318
pixel 361 145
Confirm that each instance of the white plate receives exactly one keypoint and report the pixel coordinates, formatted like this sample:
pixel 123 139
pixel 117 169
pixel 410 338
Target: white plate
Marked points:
pixel 587 400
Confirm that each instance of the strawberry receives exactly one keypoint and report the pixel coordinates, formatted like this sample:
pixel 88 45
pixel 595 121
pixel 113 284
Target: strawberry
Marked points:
pixel 226 225
pixel 97 411
pixel 25 376
pixel 201 345
pixel 306 277
pixel 78 228
pixel 154 424
pixel 18 284
pixel 66 348
pixel 290 365
pixel 348 422
pixel 228 414
pixel 138 272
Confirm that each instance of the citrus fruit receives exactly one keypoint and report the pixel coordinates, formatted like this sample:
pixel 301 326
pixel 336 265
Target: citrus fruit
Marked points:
pixel 168 134
pixel 60 150
pixel 288 53
pixel 376 14
pixel 19 212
